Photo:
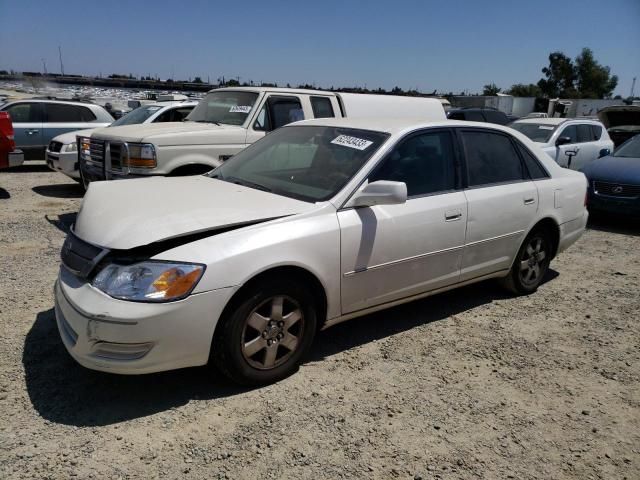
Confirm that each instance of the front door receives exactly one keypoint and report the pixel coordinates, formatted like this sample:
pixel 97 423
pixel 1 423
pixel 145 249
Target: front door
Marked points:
pixel 27 125
pixel 389 252
pixel 502 202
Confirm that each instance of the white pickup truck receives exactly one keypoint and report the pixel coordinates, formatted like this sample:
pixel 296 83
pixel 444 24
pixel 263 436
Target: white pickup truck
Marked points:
pixel 224 122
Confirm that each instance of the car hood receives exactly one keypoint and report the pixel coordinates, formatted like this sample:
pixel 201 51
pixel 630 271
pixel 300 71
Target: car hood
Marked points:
pixel 174 133
pixel 620 115
pixel 124 214
pixel 625 170
pixel 70 137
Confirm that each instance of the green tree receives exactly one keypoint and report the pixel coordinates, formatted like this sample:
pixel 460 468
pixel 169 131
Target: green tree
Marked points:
pixel 522 90
pixel 491 89
pixel 592 79
pixel 560 77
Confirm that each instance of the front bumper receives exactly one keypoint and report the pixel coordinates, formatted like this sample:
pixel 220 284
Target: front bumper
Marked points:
pixel 623 206
pixel 66 163
pixel 94 172
pixel 110 335
pixel 16 158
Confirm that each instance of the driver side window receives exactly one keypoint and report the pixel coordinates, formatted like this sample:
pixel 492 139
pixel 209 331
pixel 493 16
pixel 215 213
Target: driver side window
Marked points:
pixel 424 162
pixel 572 132
pixel 277 112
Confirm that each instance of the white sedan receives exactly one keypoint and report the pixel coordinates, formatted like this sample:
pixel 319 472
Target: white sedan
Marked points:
pixel 572 142
pixel 317 223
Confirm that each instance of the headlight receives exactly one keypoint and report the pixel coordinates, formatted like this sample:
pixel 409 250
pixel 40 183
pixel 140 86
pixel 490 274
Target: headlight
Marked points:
pixel 85 147
pixel 151 281
pixel 70 147
pixel 142 155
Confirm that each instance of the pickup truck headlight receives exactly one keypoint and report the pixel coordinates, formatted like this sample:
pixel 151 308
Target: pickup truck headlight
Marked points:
pixel 85 148
pixel 150 281
pixel 70 147
pixel 142 155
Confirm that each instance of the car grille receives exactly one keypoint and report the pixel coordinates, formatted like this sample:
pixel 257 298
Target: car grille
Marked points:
pixel 55 147
pixel 616 189
pixel 116 156
pixel 80 257
pixel 96 150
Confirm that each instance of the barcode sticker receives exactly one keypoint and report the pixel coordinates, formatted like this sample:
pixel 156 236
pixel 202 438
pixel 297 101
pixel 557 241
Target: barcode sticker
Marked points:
pixel 240 109
pixel 352 142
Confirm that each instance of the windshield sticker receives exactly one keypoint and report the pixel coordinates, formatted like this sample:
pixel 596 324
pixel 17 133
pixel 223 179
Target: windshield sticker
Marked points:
pixel 153 109
pixel 544 127
pixel 240 109
pixel 352 142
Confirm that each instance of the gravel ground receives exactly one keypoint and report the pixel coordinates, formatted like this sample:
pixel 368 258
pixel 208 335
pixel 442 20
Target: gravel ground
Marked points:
pixel 468 384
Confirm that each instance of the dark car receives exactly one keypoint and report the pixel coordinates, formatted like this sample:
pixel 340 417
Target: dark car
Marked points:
pixel 614 181
pixel 479 115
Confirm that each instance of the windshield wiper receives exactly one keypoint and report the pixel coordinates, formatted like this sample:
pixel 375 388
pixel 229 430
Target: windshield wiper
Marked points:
pixel 245 183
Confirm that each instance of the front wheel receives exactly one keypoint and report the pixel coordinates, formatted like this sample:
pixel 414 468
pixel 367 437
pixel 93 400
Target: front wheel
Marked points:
pixel 266 334
pixel 531 264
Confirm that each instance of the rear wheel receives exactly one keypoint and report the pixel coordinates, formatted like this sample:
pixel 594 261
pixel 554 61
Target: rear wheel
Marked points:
pixel 266 334
pixel 531 264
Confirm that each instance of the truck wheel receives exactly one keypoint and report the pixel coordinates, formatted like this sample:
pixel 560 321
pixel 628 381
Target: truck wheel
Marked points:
pixel 531 264
pixel 265 335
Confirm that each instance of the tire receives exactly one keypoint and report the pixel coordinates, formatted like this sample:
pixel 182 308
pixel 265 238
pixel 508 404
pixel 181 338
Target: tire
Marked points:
pixel 264 336
pixel 531 264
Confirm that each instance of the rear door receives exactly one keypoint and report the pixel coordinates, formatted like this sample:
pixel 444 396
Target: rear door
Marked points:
pixel 27 126
pixel 389 252
pixel 502 201
pixel 62 118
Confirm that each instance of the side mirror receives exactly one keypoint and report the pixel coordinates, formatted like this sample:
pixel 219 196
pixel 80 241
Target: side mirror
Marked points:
pixel 563 141
pixel 382 192
pixel 604 152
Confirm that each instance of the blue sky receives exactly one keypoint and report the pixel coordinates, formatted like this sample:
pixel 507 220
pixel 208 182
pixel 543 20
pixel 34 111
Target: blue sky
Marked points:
pixel 451 45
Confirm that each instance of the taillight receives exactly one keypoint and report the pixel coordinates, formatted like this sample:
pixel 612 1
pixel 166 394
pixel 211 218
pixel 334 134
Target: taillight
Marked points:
pixel 6 129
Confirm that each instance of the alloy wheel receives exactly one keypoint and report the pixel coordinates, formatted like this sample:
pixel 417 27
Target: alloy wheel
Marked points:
pixel 533 261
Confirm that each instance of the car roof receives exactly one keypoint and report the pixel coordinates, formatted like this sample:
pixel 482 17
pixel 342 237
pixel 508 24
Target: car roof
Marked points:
pixel 47 100
pixel 172 103
pixel 273 89
pixel 556 121
pixel 395 125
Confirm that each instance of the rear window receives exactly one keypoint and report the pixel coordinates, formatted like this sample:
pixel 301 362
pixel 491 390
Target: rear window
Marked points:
pixel 322 107
pixel 597 131
pixel 62 113
pixel 496 117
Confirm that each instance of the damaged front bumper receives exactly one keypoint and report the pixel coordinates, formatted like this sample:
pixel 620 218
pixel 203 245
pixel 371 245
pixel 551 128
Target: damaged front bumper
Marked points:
pixel 103 333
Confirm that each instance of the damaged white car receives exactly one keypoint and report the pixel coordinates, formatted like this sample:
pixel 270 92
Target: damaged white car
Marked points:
pixel 319 222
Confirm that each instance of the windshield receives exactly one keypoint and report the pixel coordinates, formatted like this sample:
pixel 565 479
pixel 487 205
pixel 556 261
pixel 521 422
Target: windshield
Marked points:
pixel 538 132
pixel 227 107
pixel 304 162
pixel 139 115
pixel 629 149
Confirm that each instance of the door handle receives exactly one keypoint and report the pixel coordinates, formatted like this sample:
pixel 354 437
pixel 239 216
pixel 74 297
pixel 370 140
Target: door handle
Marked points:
pixel 529 201
pixel 452 215
pixel 32 131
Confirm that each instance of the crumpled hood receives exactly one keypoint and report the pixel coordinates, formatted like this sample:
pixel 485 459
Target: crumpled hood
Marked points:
pixel 612 169
pixel 619 115
pixel 123 214
pixel 175 133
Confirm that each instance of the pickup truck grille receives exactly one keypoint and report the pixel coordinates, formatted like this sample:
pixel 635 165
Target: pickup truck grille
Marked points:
pixel 55 146
pixel 116 156
pixel 616 189
pixel 96 150
pixel 80 257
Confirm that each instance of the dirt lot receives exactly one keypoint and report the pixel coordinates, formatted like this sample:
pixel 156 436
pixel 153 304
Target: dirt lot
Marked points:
pixel 468 384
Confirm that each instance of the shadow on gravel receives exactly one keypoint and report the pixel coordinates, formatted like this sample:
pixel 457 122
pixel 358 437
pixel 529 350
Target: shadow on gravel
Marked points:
pixel 64 392
pixel 61 190
pixel 4 195
pixel 614 224
pixel 63 222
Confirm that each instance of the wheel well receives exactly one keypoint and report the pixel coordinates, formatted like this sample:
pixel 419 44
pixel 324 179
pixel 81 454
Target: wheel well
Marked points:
pixel 299 274
pixel 552 228
pixel 191 169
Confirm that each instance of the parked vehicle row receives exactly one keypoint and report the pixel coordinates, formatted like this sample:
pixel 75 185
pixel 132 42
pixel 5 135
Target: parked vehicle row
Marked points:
pixel 318 222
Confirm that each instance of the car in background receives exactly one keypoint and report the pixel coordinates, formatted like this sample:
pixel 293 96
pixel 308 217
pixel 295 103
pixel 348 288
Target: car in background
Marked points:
pixel 319 222
pixel 9 155
pixel 536 115
pixel 473 114
pixel 621 121
pixel 571 142
pixel 37 121
pixel 62 152
pixel 614 181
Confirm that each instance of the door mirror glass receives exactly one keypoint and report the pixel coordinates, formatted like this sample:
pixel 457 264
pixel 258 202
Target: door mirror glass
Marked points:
pixel 382 192
pixel 604 152
pixel 563 141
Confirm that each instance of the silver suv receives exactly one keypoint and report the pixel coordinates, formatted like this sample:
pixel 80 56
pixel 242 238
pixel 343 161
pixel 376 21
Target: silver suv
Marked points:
pixel 37 121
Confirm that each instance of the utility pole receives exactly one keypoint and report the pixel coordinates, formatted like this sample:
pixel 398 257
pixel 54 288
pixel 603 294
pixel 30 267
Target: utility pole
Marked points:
pixel 44 64
pixel 61 65
pixel 633 87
